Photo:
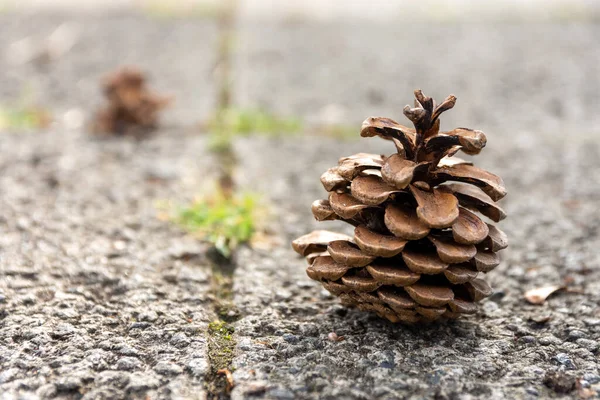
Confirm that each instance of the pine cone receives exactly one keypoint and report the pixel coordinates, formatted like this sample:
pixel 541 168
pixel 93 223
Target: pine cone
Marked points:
pixel 418 245
pixel 132 109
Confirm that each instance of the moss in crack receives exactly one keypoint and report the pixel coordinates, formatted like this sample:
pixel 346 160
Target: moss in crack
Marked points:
pixel 23 118
pixel 221 345
pixel 226 220
pixel 222 290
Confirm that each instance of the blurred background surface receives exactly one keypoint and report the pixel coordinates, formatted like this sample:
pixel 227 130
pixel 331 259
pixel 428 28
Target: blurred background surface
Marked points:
pixel 528 65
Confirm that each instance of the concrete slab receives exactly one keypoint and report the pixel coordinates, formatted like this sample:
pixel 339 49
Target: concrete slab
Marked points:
pixel 527 77
pixel 98 297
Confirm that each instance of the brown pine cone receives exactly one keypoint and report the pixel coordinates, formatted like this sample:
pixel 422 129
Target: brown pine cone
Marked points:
pixel 132 108
pixel 419 244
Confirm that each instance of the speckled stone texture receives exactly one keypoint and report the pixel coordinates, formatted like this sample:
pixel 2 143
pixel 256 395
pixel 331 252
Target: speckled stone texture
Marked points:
pixel 99 299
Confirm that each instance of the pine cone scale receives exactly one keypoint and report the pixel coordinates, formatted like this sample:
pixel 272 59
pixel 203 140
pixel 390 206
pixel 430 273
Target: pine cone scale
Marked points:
pixel 393 274
pixel 429 295
pixel 452 252
pixel 424 263
pixel 403 222
pixel 324 267
pixel 376 244
pixel 398 171
pixel 344 205
pixel 496 240
pixel 345 252
pixel 491 184
pixel 460 273
pixel 471 197
pixel 485 261
pixel 436 209
pixel 469 228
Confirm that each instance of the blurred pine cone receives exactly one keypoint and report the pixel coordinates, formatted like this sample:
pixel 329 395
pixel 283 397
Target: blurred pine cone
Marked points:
pixel 418 245
pixel 132 108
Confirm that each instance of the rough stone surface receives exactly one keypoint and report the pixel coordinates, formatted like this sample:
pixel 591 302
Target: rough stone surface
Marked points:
pixel 99 298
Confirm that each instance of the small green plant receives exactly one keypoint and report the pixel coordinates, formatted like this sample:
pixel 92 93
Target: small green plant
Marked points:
pixel 220 143
pixel 23 118
pixel 222 220
pixel 343 132
pixel 170 10
pixel 229 123
pixel 243 122
pixel 221 345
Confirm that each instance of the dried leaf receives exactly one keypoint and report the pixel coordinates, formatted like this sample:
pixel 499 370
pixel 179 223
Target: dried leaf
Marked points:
pixel 334 337
pixel 228 376
pixel 538 296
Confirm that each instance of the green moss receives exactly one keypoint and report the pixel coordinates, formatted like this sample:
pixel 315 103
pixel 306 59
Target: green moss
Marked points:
pixel 221 345
pixel 224 221
pixel 230 123
pixel 220 143
pixel 221 329
pixel 23 118
pixel 344 132
pixel 243 122
pixel 170 10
